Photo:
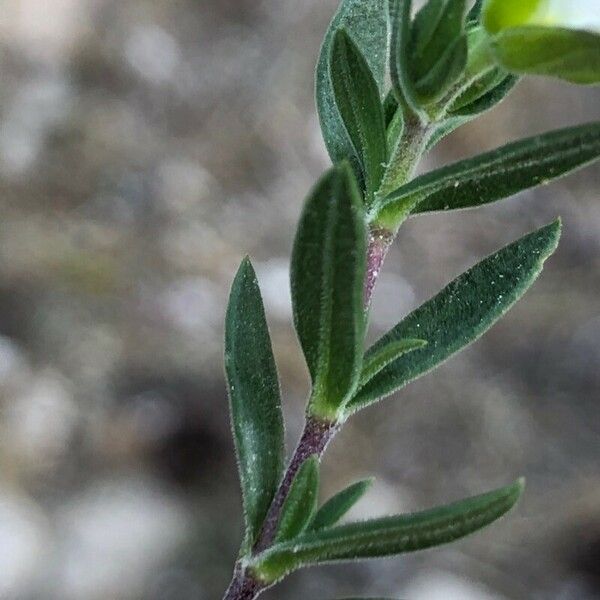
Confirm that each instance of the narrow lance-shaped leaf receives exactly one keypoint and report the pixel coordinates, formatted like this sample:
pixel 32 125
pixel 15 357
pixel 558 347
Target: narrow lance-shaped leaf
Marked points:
pixel 387 536
pixel 359 104
pixel 438 48
pixel 327 277
pixel 460 313
pixel 301 503
pixel 494 175
pixel 377 361
pixel 486 101
pixel 436 82
pixel 400 18
pixel 337 506
pixel 367 24
pixel 254 398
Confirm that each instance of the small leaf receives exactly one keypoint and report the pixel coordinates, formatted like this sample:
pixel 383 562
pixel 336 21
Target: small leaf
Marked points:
pixel 438 47
pixel 254 399
pixel 472 107
pixel 385 355
pixel 367 24
pixel 357 99
pixel 400 61
pixel 301 503
pixel 387 536
pixel 494 175
pixel 337 506
pixel 462 312
pixel 327 276
pixel 444 128
pixel 436 82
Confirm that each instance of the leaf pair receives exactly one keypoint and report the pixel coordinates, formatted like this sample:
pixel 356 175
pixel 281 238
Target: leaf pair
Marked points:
pixel 386 536
pixel 494 175
pixel 299 512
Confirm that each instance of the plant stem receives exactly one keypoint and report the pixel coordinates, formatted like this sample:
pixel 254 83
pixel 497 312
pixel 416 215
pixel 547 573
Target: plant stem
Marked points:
pixel 406 155
pixel 379 243
pixel 242 586
pixel 314 440
pixel 316 436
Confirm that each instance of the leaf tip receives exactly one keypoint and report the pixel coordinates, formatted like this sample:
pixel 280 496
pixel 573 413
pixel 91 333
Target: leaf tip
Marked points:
pixel 554 231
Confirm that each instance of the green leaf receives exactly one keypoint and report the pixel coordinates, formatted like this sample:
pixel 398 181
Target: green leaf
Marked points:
pixel 367 24
pixel 358 102
pixel 494 175
pixel 438 47
pixel 462 312
pixel 377 361
pixel 327 277
pixel 254 399
pixel 400 60
pixel 436 82
pixel 555 52
pixel 387 536
pixel 444 128
pixel 337 506
pixel 471 104
pixel 301 503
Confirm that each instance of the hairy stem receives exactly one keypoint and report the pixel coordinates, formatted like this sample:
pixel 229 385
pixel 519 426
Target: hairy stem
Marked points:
pixel 242 586
pixel 379 243
pixel 314 440
pixel 316 436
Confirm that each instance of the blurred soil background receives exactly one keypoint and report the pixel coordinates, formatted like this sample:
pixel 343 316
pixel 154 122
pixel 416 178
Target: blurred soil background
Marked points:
pixel 145 147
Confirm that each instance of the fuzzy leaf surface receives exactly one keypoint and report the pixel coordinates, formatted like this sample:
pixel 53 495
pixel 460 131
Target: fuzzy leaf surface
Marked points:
pixel 400 61
pixel 377 361
pixel 438 47
pixel 388 536
pixel 358 101
pixel 254 398
pixel 462 312
pixel 301 503
pixel 327 278
pixel 485 102
pixel 494 175
pixel 367 24
pixel 337 506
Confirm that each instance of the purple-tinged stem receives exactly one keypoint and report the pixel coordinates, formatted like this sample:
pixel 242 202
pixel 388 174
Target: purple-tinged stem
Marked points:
pixel 242 586
pixel 315 438
pixel 379 243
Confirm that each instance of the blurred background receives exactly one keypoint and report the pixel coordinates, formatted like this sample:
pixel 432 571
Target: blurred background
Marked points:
pixel 145 147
